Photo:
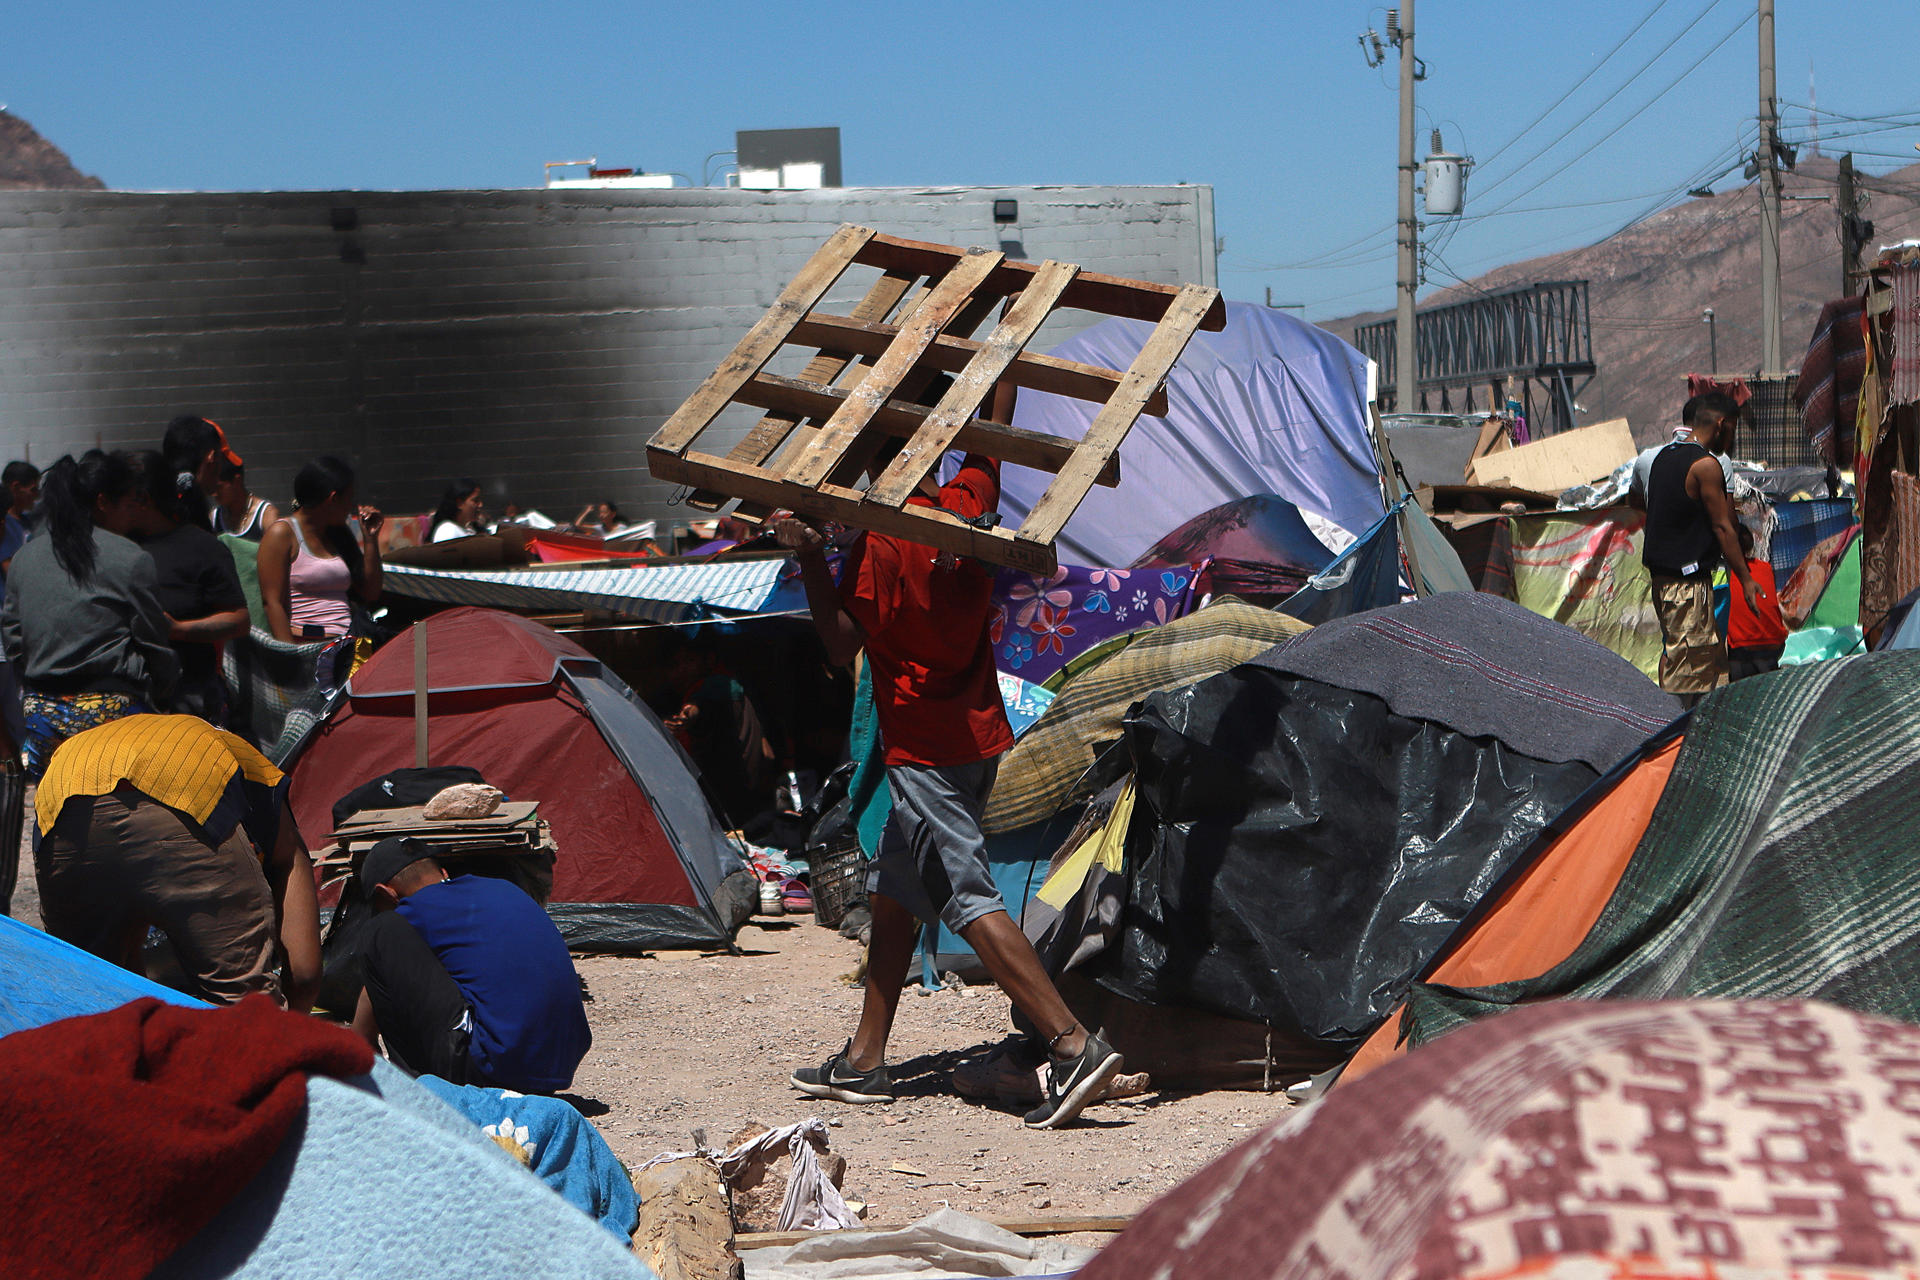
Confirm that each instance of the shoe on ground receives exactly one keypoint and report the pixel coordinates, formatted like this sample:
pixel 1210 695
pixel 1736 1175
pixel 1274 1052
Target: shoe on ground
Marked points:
pixel 838 1079
pixel 1075 1083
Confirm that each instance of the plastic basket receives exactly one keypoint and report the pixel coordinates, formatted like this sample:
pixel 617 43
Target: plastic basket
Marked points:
pixel 839 877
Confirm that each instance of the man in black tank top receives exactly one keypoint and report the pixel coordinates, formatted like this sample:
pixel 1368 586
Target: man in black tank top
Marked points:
pixel 1690 530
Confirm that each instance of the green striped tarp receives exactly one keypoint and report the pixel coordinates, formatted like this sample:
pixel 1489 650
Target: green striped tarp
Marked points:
pixel 1780 860
pixel 1045 771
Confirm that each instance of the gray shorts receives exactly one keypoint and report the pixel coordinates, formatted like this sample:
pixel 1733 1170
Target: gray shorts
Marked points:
pixel 932 858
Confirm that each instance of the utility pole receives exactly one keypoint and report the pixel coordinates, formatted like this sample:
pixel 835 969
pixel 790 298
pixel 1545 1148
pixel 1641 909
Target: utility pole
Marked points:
pixel 1713 344
pixel 1771 358
pixel 1855 231
pixel 1406 375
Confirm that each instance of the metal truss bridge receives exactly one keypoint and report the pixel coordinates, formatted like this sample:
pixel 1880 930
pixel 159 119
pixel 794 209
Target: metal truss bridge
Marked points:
pixel 1509 344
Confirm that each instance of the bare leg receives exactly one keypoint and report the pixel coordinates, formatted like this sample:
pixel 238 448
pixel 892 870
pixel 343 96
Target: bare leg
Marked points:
pixel 1010 958
pixel 889 953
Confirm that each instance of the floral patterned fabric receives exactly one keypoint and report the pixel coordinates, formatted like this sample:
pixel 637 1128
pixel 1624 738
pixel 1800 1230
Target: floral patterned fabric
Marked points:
pixel 1041 622
pixel 1025 702
pixel 53 718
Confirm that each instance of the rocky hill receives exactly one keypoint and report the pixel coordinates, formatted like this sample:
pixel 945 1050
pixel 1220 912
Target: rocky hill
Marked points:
pixel 1651 282
pixel 28 162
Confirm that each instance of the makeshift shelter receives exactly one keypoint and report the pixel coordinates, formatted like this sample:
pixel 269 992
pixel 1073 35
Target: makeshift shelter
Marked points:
pixel 1583 568
pixel 1047 769
pixel 1309 828
pixel 1267 405
pixel 1685 1140
pixel 1043 781
pixel 643 862
pixel 1769 854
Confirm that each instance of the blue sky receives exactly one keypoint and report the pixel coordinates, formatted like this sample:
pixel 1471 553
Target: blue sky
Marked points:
pixel 1271 103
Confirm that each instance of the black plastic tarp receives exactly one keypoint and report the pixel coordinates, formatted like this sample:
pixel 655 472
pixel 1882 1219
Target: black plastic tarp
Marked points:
pixel 1298 851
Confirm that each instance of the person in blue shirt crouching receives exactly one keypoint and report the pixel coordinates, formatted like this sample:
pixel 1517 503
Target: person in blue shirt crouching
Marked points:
pixel 466 977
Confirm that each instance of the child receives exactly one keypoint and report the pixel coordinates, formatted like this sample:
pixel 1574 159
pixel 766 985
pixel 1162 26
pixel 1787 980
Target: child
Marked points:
pixel 1754 637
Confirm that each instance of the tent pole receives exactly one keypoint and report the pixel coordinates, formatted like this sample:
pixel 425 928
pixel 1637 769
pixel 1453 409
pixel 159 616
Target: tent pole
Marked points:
pixel 420 695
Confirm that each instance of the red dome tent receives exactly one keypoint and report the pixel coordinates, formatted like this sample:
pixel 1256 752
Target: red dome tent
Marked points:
pixel 642 856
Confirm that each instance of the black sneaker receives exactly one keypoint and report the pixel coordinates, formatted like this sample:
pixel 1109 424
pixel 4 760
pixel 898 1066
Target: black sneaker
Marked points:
pixel 1073 1084
pixel 837 1079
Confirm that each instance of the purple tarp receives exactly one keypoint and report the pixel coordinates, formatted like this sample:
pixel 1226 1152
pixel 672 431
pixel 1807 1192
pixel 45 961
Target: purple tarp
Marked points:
pixel 1268 405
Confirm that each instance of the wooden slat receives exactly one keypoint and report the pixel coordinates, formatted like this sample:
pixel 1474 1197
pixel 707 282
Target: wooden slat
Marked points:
pixel 855 459
pixel 767 435
pixel 902 420
pixel 950 355
pixel 763 339
pixel 1109 295
pixel 853 463
pixel 928 526
pixel 916 335
pixel 1111 424
pixel 1105 1222
pixel 937 432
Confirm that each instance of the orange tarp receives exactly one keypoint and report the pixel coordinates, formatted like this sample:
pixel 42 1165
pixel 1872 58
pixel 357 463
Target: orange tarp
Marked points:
pixel 1542 916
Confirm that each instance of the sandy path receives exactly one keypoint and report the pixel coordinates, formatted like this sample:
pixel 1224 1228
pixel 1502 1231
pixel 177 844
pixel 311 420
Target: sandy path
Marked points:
pixel 684 1041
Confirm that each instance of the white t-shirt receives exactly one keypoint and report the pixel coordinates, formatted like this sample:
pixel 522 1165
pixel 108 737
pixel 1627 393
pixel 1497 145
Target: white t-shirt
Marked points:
pixel 1643 464
pixel 447 531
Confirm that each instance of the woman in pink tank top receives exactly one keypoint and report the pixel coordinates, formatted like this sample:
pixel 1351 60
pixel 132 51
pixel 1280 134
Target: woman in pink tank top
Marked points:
pixel 311 563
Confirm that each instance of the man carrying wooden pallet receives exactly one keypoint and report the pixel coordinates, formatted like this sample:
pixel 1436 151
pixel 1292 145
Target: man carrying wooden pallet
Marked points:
pixel 922 616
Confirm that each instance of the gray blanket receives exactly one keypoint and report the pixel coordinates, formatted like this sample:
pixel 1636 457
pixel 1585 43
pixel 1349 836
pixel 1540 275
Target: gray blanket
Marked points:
pixel 1505 662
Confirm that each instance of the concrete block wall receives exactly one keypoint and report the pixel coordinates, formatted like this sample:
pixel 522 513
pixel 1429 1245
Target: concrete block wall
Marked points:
pixel 532 339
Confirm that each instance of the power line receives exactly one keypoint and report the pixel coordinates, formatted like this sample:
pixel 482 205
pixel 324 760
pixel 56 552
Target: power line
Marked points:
pixel 1641 110
pixel 1841 115
pixel 1321 259
pixel 1574 88
pixel 1342 255
pixel 1602 104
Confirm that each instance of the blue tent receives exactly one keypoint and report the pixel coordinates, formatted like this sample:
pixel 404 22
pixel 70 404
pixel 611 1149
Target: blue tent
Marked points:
pixel 47 979
pixel 1365 576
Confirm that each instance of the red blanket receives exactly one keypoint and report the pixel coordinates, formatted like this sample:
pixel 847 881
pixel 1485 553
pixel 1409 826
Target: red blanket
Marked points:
pixel 122 1134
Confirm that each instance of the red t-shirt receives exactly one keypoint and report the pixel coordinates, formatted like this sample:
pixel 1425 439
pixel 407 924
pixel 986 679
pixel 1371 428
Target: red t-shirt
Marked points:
pixel 1747 629
pixel 925 614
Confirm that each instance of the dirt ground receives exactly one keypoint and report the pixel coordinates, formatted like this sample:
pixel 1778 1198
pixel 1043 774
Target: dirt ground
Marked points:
pixel 684 1041
pixel 687 1041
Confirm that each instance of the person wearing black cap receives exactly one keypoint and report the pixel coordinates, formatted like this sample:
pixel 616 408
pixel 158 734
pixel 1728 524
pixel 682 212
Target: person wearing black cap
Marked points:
pixel 466 977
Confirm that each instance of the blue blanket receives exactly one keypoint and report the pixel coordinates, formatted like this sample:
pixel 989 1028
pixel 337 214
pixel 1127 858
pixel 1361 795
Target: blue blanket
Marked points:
pixel 556 1142
pixel 381 1179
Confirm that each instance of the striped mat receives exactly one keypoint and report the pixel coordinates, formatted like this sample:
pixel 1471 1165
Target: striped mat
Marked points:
pixel 1046 769
pixel 1779 861
pixel 652 593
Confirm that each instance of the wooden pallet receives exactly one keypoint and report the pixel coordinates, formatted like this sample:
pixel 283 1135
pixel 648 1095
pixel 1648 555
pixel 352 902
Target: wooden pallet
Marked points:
pixel 821 429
